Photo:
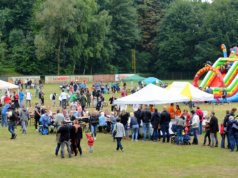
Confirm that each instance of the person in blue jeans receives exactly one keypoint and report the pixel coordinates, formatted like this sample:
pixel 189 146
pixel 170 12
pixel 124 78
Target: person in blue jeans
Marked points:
pixel 146 118
pixel 195 126
pixel 135 127
pixel 12 123
pixel 155 124
pixel 4 115
pixel 180 127
pixel 94 121
pixel 232 133
pixel 164 123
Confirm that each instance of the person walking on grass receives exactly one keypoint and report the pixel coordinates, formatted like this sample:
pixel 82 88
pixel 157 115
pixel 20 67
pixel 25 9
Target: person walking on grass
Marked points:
pixel 120 133
pixel 78 137
pixel 214 128
pixel 24 116
pixel 90 142
pixel 13 117
pixel 64 132
pixel 28 98
pixel 37 115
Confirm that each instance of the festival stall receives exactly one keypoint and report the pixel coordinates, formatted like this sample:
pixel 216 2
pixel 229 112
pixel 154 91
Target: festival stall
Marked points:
pixel 7 86
pixel 189 91
pixel 133 78
pixel 151 94
pixel 152 80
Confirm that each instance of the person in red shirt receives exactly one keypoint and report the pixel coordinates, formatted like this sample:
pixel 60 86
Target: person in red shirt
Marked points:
pixel 200 115
pixel 7 99
pixel 90 142
pixel 187 117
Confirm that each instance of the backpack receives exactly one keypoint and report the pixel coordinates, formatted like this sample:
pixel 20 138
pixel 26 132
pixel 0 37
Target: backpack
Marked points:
pixel 222 129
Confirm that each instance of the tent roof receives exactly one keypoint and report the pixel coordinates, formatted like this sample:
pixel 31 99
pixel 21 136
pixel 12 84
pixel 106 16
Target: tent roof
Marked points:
pixel 190 91
pixel 134 78
pixel 7 85
pixel 152 80
pixel 151 94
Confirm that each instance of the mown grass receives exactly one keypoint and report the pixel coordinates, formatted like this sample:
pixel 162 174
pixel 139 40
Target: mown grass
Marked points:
pixel 32 155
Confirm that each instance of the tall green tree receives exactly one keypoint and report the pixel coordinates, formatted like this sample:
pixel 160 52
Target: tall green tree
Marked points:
pixel 72 32
pixel 219 26
pixel 124 32
pixel 179 33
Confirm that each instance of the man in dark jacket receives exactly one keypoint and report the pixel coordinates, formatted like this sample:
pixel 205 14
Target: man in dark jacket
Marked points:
pixel 214 128
pixel 138 116
pixel 155 124
pixel 146 118
pixel 13 117
pixel 164 123
pixel 64 132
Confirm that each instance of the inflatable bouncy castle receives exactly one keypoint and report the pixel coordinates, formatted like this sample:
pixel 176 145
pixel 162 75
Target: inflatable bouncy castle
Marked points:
pixel 221 76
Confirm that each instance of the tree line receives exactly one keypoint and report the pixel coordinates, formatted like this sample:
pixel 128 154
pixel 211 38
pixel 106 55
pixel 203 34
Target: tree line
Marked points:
pixel 98 36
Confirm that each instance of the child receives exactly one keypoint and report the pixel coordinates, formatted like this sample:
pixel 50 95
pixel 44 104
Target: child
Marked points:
pixel 222 132
pixel 90 142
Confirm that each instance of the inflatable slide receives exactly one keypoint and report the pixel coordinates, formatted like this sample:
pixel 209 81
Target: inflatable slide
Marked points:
pixel 221 76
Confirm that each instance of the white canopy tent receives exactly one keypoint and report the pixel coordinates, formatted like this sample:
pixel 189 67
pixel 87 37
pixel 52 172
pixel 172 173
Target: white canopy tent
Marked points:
pixel 191 92
pixel 6 85
pixel 151 94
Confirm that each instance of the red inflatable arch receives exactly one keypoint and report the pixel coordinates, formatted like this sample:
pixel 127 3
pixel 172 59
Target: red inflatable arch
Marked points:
pixel 206 69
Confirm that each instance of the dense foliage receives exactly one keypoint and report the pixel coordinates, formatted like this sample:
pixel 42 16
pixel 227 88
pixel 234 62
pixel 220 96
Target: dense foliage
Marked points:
pixel 98 36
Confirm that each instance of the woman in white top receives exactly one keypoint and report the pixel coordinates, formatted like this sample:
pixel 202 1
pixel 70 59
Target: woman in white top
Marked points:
pixel 195 126
pixel 28 98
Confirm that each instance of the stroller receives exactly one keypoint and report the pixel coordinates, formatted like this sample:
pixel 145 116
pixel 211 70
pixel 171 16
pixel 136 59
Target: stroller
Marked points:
pixel 186 139
pixel 44 125
pixel 173 137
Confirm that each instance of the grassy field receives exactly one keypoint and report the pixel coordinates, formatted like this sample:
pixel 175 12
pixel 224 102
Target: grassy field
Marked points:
pixel 32 155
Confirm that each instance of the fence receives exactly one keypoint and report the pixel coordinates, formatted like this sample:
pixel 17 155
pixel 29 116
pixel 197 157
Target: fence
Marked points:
pixel 98 78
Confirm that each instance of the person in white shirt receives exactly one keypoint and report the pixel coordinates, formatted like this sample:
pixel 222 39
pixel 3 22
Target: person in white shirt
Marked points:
pixel 195 126
pixel 64 97
pixel 28 98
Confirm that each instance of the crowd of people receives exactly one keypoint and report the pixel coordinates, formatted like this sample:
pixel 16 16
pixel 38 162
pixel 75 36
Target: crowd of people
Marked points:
pixel 146 122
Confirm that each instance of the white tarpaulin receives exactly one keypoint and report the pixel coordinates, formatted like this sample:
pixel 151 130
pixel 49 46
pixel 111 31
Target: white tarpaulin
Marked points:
pixel 151 94
pixel 190 91
pixel 6 85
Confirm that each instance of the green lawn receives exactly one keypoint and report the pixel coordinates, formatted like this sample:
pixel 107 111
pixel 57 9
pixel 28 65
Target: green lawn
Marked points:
pixel 32 155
